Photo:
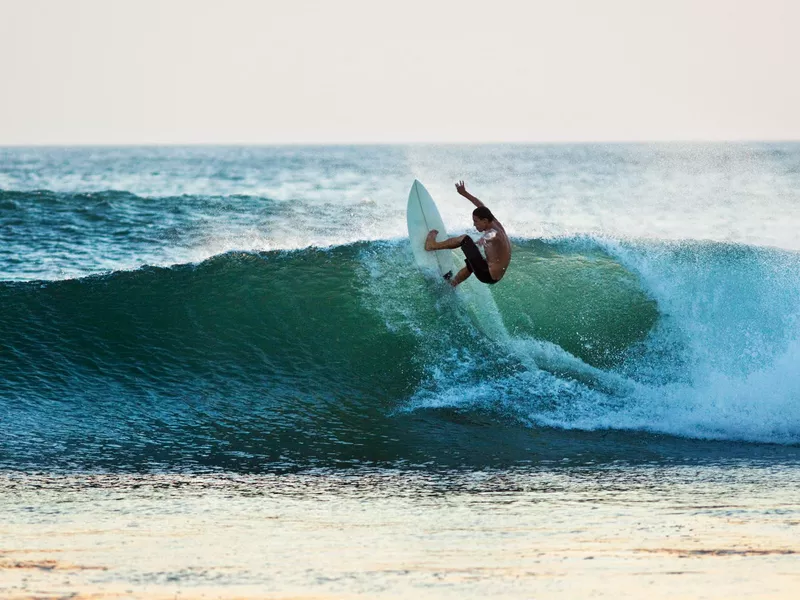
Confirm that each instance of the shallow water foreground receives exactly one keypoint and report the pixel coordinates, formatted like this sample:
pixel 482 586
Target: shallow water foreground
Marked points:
pixel 621 531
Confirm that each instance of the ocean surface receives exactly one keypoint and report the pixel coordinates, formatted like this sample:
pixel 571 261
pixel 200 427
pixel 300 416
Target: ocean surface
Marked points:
pixel 230 323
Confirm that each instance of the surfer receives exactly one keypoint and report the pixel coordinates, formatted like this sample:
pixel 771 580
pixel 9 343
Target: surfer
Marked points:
pixel 494 240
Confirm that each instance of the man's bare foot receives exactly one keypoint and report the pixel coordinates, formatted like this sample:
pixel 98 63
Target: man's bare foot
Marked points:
pixel 430 241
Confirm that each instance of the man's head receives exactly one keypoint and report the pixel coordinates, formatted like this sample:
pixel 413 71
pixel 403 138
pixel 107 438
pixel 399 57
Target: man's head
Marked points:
pixel 482 217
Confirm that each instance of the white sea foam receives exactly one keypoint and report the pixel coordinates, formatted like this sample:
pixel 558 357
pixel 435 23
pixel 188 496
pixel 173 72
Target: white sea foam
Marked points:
pixel 721 363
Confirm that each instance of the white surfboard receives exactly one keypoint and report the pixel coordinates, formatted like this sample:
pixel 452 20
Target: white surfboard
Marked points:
pixel 422 216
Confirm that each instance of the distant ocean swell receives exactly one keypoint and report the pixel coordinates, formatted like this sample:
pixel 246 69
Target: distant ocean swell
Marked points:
pixel 326 354
pixel 57 235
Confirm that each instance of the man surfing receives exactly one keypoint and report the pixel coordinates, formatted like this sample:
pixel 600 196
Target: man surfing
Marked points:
pixel 494 240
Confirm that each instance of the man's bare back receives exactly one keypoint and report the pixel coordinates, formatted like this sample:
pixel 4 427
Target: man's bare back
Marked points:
pixel 498 249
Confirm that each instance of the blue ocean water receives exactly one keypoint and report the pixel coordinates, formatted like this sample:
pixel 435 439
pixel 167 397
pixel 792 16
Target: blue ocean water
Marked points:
pixel 258 309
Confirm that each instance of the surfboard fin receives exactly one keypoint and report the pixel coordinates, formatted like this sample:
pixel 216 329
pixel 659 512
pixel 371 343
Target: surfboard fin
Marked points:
pixel 447 276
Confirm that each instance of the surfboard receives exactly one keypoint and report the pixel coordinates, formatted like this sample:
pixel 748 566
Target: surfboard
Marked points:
pixel 422 216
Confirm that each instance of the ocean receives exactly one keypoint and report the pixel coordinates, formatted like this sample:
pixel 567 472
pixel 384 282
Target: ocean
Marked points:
pixel 222 374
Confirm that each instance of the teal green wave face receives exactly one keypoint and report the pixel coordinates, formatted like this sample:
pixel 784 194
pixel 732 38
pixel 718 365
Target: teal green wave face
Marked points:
pixel 312 314
pixel 281 316
pixel 579 299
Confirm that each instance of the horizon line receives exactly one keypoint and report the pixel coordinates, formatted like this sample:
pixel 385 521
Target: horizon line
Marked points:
pixel 275 144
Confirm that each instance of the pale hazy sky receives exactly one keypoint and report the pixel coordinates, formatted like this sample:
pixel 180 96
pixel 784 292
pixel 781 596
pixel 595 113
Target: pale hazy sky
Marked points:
pixel 261 72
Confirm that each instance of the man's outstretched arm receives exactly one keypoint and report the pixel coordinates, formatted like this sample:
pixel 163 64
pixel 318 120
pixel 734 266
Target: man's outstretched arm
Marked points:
pixel 461 189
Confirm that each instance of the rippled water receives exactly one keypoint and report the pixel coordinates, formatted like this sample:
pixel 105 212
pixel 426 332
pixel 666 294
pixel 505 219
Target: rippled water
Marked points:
pixel 721 531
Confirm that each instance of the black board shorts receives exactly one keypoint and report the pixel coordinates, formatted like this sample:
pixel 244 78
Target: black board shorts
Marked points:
pixel 475 261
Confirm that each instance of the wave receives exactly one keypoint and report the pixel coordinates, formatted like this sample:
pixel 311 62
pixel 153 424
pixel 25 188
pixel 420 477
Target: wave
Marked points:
pixel 68 235
pixel 348 353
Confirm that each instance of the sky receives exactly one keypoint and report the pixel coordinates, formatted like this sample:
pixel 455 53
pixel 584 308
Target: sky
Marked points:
pixel 353 71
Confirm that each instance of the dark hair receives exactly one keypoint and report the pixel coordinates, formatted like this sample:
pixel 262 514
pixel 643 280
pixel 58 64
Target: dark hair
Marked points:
pixel 483 213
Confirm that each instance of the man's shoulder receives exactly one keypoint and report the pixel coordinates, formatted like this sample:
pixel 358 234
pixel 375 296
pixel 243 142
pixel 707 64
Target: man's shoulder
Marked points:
pixel 498 227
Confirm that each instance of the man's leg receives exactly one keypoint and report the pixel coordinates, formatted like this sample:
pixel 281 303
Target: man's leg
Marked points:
pixel 448 244
pixel 460 276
